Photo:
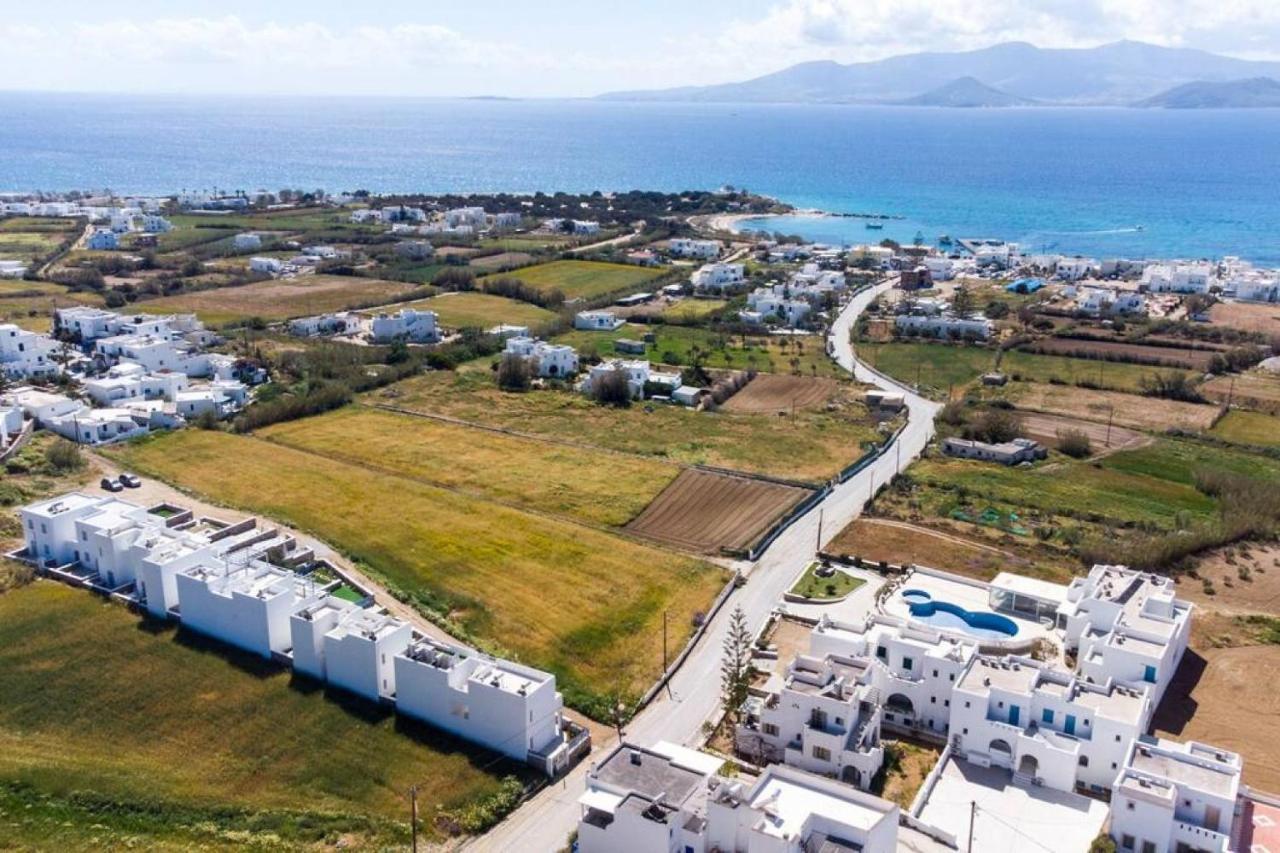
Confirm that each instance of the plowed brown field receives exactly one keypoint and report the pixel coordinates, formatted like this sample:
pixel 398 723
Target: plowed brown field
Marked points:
pixel 776 392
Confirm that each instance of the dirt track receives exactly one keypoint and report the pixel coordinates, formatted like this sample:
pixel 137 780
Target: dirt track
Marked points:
pixel 769 393
pixel 704 511
pixel 1045 429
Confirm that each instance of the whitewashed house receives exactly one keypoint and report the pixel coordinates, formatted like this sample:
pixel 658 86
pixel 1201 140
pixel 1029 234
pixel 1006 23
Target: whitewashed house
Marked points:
pixel 153 223
pixel 668 798
pixel 776 302
pixel 247 606
pixel 407 324
pixel 26 354
pixel 687 247
pixel 12 269
pixel 341 323
pixel 266 265
pixel 395 213
pixel 1074 269
pixel 637 371
pixel 945 326
pixel 1013 452
pixel 1179 277
pixel 586 228
pixel 511 708
pixel 715 278
pixel 308 627
pixel 507 220
pixel 87 323
pixel 1172 797
pixel 940 267
pixel 365 216
pixel 247 242
pixel 598 321
pixel 360 651
pixel 473 217
pixel 102 239
pixel 550 360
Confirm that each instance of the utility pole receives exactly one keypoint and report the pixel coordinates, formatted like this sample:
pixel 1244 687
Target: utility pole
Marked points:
pixel 413 815
pixel 818 546
pixel 899 464
pixel 1231 391
pixel 973 811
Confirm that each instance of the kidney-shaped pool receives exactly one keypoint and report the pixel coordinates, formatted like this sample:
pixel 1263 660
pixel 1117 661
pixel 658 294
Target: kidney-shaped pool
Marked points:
pixel 943 614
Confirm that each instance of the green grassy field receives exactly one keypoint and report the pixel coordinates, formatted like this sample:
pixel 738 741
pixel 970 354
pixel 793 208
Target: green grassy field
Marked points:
pixel 813 446
pixel 1249 428
pixel 805 355
pixel 584 279
pixel 689 311
pixel 116 733
pixel 940 366
pixel 579 484
pixel 279 299
pixel 30 304
pixel 481 310
pixel 29 239
pixel 585 603
pixel 810 585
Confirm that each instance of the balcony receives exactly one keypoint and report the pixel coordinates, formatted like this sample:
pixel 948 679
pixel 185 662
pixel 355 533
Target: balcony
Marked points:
pixel 1199 838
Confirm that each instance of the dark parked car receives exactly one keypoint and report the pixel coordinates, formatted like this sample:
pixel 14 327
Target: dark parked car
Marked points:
pixel 111 485
pixel 130 480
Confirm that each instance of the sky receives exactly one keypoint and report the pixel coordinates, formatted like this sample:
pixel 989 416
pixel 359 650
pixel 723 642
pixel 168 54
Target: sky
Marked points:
pixel 551 48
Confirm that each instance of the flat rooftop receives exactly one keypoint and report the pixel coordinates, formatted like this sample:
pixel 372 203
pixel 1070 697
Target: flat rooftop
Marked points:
pixel 787 800
pixel 649 774
pixel 988 673
pixel 63 504
pixel 1031 587
pixel 1183 769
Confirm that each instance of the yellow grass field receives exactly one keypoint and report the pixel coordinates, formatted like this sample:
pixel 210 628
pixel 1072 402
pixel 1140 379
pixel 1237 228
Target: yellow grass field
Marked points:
pixel 811 446
pixel 481 310
pixel 184 744
pixel 583 279
pixel 278 300
pixel 582 485
pixel 582 602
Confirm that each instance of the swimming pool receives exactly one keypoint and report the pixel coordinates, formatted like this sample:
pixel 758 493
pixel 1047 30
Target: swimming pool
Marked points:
pixel 944 614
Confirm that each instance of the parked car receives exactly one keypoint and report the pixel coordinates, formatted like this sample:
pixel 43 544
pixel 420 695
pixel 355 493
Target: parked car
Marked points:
pixel 111 485
pixel 130 480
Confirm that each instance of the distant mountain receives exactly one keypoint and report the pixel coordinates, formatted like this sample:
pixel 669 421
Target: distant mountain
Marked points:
pixel 1116 74
pixel 1254 92
pixel 967 92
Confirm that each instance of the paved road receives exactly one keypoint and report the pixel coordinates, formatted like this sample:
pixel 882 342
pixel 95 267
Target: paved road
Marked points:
pixel 547 820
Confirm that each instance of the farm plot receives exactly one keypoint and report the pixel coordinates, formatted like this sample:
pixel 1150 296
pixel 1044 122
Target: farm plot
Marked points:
pixel 502 260
pixel 706 511
pixel 30 304
pixel 280 299
pixel 1177 357
pixel 481 310
pixel 1129 410
pixel 236 754
pixel 1047 428
pixel 1257 390
pixel 584 603
pixel 812 446
pixel 1247 316
pixel 584 279
pixel 1249 428
pixel 770 393
pixel 577 483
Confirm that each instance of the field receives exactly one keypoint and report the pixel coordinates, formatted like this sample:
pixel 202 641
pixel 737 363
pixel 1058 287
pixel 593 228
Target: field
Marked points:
pixel 1047 428
pixel 581 602
pixel 941 366
pixel 812 446
pixel 688 311
pixel 802 354
pixel 1187 359
pixel 30 304
pixel 1253 428
pixel 502 259
pixel 1257 390
pixel 31 239
pixel 591 486
pixel 770 393
pixel 705 511
pixel 1250 317
pixel 1221 696
pixel 280 299
pixel 1129 410
pixel 481 310
pixel 584 279
pixel 116 733
pixel 900 543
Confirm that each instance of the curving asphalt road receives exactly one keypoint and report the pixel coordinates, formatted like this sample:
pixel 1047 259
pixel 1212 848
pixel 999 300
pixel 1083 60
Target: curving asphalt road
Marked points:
pixel 547 820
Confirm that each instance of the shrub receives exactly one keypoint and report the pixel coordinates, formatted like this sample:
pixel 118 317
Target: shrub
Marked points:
pixel 63 456
pixel 1075 443
pixel 612 389
pixel 1171 386
pixel 995 425
pixel 514 373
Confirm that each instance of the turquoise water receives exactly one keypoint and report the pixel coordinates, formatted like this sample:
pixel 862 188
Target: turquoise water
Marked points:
pixel 1200 183
pixel 944 614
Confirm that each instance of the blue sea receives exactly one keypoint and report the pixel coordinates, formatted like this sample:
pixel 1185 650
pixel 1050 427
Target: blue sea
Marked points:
pixel 1098 181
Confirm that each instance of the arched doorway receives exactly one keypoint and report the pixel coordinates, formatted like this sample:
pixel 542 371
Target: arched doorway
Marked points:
pixel 1001 754
pixel 1029 765
pixel 851 775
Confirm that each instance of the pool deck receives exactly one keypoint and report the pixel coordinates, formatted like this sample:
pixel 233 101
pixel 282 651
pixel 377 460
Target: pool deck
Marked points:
pixel 970 595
